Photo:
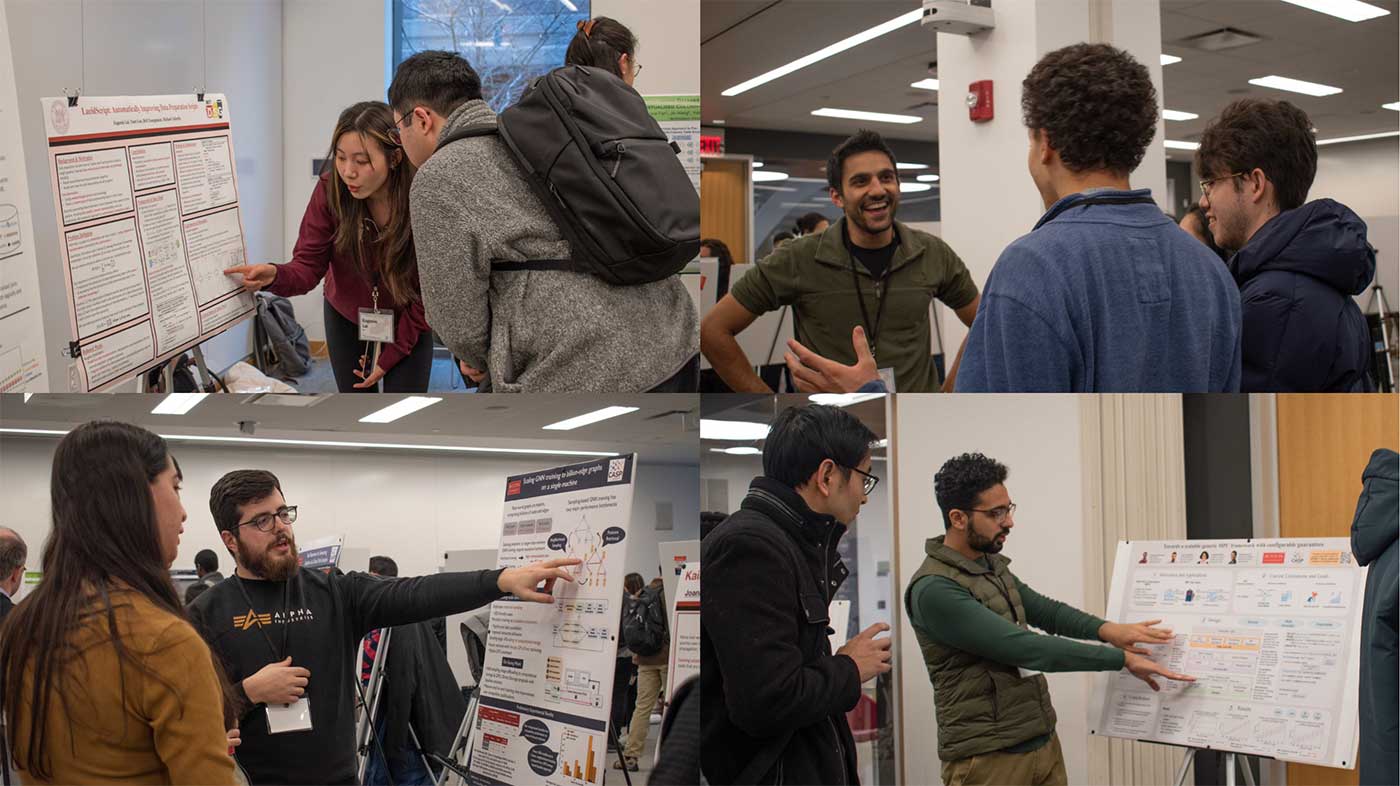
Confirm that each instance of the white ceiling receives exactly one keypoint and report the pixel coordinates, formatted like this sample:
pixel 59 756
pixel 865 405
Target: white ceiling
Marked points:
pixel 658 431
pixel 743 38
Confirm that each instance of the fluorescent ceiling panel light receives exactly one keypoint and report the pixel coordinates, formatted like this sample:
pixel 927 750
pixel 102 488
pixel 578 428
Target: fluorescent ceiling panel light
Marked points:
pixel 905 165
pixel 925 84
pixel 1394 106
pixel 927 178
pixel 1169 59
pixel 842 399
pixel 758 165
pixel 1172 114
pixel 1362 138
pixel 1295 86
pixel 1172 144
pixel 178 403
pixel 913 188
pixel 317 443
pixel 874 117
pixel 827 51
pixel 590 417
pixel 732 430
pixel 768 177
pixel 738 451
pixel 1350 10
pixel 405 406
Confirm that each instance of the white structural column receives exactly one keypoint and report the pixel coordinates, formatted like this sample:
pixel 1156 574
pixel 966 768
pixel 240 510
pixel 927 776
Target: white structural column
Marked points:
pixel 988 198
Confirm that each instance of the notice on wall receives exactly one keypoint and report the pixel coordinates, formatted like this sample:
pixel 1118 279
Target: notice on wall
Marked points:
pixel 546 686
pixel 1271 631
pixel 23 360
pixel 679 117
pixel 146 198
pixel 684 660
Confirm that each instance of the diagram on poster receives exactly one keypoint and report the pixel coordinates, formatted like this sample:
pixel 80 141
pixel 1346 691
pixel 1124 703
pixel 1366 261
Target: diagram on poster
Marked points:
pixel 146 199
pixel 23 366
pixel 1270 629
pixel 546 685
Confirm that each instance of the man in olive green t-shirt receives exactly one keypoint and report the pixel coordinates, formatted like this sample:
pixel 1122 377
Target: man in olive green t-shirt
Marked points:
pixel 972 617
pixel 865 270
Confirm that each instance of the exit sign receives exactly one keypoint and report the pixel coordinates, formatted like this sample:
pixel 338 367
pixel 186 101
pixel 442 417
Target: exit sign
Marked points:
pixel 711 145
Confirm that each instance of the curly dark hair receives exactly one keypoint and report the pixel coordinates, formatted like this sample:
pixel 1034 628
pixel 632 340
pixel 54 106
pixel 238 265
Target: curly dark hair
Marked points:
pixel 962 479
pixel 1096 105
pixel 863 141
pixel 1258 133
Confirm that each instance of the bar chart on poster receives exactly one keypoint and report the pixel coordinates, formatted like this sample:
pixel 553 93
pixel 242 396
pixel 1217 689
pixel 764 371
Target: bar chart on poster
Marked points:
pixel 1270 629
pixel 146 198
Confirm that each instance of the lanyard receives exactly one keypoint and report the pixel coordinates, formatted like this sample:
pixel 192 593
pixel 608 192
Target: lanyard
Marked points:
pixel 286 625
pixel 871 330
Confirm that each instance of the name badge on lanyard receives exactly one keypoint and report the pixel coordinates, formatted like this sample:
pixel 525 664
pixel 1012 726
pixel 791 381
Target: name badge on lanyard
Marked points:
pixel 282 718
pixel 376 324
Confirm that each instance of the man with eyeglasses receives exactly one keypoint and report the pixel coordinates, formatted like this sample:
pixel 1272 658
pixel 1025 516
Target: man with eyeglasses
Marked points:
pixel 1298 264
pixel 774 697
pixel 288 636
pixel 972 618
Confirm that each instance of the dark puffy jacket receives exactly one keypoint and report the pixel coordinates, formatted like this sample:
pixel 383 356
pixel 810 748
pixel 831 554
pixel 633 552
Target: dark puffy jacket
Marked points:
pixel 1297 275
pixel 1374 534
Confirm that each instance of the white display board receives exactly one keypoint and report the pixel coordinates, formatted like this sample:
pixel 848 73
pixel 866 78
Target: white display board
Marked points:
pixel 23 356
pixel 546 687
pixel 674 555
pixel 1271 631
pixel 146 199
pixel 321 553
pixel 684 659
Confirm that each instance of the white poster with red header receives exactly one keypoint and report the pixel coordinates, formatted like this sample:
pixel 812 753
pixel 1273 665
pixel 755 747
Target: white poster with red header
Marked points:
pixel 1270 629
pixel 684 660
pixel 146 198
pixel 546 685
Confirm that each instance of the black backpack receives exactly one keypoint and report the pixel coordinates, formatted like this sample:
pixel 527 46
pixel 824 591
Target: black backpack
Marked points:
pixel 606 173
pixel 644 625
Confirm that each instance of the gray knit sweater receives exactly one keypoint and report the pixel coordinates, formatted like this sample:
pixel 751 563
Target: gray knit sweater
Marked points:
pixel 532 331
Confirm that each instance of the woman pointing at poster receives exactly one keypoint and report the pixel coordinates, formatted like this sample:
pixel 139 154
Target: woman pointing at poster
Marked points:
pixel 356 235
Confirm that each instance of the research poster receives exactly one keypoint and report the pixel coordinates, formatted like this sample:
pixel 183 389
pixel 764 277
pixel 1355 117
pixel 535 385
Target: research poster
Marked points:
pixel 146 198
pixel 321 554
pixel 674 556
pixel 23 356
pixel 679 117
pixel 546 687
pixel 684 660
pixel 1271 631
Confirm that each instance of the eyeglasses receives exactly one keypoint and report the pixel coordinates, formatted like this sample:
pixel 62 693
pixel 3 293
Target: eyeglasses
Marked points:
pixel 396 132
pixel 1206 184
pixel 870 480
pixel 264 523
pixel 999 514
pixel 636 69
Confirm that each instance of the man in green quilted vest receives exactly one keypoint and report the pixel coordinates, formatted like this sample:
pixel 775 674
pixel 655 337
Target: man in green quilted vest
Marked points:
pixel 972 618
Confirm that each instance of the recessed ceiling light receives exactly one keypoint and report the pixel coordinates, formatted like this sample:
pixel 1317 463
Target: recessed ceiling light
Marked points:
pixel 827 51
pixel 874 117
pixel 742 451
pixel 398 409
pixel 178 403
pixel 1361 138
pixel 927 178
pixel 1350 10
pixel 768 176
pixel 1394 106
pixel 758 165
pixel 1295 86
pixel 732 430
pixel 1169 59
pixel 591 417
pixel 906 165
pixel 925 84
pixel 1172 114
pixel 905 187
pixel 1172 144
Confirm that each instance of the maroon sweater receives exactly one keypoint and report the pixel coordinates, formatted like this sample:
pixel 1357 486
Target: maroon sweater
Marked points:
pixel 347 289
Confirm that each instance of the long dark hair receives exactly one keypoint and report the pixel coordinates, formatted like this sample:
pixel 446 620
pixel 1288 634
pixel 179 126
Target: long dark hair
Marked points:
pixel 601 42
pixel 104 534
pixel 388 258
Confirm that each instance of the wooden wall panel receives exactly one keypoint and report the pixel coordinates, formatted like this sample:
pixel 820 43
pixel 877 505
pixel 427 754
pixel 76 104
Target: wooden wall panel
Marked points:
pixel 725 209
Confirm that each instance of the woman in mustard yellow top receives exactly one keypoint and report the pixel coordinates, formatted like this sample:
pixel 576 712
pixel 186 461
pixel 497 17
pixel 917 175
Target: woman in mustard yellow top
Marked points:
pixel 104 679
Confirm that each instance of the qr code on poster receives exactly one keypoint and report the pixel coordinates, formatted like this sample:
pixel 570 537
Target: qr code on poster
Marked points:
pixel 615 469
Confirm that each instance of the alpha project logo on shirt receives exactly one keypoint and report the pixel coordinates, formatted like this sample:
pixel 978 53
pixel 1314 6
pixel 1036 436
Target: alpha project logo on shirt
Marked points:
pixel 253 619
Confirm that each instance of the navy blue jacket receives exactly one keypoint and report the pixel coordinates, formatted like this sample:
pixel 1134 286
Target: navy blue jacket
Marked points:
pixel 1302 330
pixel 1374 533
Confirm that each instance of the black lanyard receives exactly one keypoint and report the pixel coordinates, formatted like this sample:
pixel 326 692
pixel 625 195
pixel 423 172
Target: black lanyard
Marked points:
pixel 1104 200
pixel 286 626
pixel 871 330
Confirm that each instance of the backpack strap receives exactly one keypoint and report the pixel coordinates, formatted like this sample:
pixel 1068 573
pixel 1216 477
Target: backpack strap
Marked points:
pixel 466 132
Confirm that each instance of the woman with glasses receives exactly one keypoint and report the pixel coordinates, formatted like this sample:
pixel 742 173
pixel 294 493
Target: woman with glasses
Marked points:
pixel 104 678
pixel 607 44
pixel 355 234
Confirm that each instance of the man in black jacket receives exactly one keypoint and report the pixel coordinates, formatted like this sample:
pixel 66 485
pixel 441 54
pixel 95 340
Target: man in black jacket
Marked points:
pixel 774 697
pixel 288 636
pixel 13 554
pixel 1374 536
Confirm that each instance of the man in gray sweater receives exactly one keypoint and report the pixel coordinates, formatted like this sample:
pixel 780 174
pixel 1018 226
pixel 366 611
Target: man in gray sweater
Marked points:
pixel 520 330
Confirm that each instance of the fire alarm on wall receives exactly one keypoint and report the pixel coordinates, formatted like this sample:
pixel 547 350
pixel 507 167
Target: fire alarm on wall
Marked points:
pixel 979 101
